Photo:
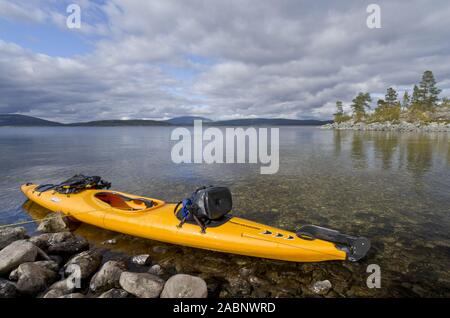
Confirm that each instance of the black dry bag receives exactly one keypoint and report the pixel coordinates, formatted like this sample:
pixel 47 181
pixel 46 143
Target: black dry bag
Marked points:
pixel 212 203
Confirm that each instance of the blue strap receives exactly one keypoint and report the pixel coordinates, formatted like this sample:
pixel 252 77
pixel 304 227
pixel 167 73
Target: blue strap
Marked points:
pixel 186 203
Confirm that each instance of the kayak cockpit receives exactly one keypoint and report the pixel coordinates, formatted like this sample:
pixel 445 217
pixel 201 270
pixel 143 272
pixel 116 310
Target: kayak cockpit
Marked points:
pixel 123 202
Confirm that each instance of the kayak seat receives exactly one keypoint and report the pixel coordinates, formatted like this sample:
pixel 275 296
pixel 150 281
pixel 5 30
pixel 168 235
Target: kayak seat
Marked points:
pixel 119 201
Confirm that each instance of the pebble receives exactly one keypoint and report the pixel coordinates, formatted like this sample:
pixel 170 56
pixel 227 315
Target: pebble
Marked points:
pixel 143 259
pixel 321 287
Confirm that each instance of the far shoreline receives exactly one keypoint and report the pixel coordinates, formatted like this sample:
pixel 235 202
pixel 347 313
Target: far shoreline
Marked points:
pixel 390 126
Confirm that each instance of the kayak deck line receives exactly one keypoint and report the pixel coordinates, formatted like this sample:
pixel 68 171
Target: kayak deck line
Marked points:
pixel 160 222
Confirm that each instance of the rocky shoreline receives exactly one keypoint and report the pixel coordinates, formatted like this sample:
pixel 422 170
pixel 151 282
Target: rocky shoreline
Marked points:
pixel 60 264
pixel 390 126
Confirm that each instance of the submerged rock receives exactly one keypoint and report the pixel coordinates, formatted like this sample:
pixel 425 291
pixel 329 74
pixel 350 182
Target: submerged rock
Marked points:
pixel 115 293
pixel 86 263
pixel 321 287
pixel 33 278
pixel 53 222
pixel 66 243
pixel 108 276
pixel 110 242
pixel 143 259
pixel 185 286
pixel 237 287
pixel 11 234
pixel 142 285
pixel 7 289
pixel 159 249
pixel 16 253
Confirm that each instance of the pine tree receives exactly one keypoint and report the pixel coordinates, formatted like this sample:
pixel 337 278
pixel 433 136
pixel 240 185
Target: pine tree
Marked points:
pixel 429 93
pixel 416 96
pixel 391 97
pixel 406 100
pixel 359 105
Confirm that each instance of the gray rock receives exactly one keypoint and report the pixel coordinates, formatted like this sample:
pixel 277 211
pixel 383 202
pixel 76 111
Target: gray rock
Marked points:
pixel 74 295
pixel 156 270
pixel 16 253
pixel 63 287
pixel 53 293
pixel 50 265
pixel 66 243
pixel 7 289
pixel 86 262
pixel 53 222
pixel 57 259
pixel 115 293
pixel 14 275
pixel 185 286
pixel 143 259
pixel 11 234
pixel 321 287
pixel 142 285
pixel 108 276
pixel 33 278
pixel 41 241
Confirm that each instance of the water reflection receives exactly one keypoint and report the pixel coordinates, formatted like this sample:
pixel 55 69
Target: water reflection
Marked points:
pixel 358 152
pixel 385 147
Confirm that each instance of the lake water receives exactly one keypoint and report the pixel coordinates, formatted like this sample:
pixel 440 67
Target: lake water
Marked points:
pixel 391 187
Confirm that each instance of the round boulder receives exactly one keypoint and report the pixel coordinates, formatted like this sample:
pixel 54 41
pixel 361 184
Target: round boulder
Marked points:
pixel 142 285
pixel 185 286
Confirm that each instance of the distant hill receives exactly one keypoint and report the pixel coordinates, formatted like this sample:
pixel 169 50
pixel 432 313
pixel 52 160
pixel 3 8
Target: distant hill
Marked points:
pixel 271 122
pixel 118 122
pixel 22 120
pixel 186 120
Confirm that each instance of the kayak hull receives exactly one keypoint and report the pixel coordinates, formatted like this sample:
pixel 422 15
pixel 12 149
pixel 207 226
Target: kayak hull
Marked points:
pixel 236 236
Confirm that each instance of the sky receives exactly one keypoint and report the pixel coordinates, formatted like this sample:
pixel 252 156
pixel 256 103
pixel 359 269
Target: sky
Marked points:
pixel 159 59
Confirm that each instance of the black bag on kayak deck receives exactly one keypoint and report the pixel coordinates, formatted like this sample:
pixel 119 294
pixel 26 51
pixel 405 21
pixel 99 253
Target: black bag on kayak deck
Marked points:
pixel 212 203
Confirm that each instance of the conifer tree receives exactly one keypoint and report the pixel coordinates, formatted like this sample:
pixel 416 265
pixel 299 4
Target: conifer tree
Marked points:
pixel 391 97
pixel 429 93
pixel 359 105
pixel 406 100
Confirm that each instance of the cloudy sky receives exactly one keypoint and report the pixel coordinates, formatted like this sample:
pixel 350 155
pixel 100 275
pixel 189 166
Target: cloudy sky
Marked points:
pixel 218 59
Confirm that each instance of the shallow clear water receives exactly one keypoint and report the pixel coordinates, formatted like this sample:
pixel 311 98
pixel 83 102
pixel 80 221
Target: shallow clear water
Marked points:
pixel 391 187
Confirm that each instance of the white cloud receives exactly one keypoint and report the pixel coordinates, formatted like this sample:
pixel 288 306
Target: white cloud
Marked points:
pixel 287 58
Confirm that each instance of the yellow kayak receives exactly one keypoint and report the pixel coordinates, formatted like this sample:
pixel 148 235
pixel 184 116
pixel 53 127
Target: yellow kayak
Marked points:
pixel 155 219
